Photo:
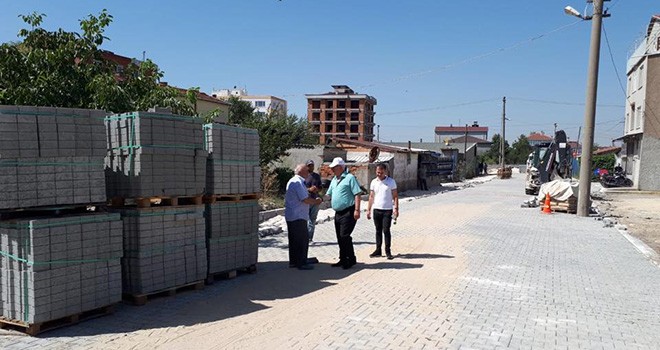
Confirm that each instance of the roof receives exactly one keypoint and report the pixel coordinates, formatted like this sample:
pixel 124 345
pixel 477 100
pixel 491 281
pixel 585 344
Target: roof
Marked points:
pixel 260 97
pixel 538 137
pixel 606 150
pixel 201 96
pixel 381 146
pixel 470 139
pixel 363 157
pixel 118 59
pixel 461 129
pixel 654 18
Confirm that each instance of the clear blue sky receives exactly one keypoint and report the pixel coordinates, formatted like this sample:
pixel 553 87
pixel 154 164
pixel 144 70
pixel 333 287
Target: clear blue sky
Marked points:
pixel 428 62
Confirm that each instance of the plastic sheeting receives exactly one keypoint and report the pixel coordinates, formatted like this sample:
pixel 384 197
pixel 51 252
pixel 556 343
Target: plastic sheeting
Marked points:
pixel 559 190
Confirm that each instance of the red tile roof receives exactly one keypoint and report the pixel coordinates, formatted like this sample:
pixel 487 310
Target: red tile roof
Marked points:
pixel 538 137
pixel 470 139
pixel 606 150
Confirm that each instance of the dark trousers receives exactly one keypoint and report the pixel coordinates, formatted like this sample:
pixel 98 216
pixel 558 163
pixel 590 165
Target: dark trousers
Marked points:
pixel 298 242
pixel 344 225
pixel 383 222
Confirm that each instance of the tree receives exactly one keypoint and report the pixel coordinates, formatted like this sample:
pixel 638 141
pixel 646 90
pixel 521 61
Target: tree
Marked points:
pixel 520 150
pixel 493 154
pixel 67 69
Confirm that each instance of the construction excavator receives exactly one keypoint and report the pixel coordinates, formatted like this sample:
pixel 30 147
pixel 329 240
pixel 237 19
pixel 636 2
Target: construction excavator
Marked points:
pixel 547 162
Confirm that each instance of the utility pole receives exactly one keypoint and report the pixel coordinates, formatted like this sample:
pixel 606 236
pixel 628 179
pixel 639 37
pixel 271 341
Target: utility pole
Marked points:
pixel 503 138
pixel 378 132
pixel 555 132
pixel 584 197
pixel 465 143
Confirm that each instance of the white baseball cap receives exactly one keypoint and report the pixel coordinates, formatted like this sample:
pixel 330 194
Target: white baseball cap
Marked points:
pixel 337 161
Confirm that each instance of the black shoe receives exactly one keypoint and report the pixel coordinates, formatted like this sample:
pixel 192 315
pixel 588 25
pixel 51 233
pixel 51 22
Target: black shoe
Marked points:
pixel 347 266
pixel 389 256
pixel 338 264
pixel 292 265
pixel 312 260
pixel 306 267
pixel 375 254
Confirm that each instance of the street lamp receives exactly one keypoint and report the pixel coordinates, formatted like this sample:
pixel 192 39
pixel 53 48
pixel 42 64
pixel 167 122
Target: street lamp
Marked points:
pixel 584 197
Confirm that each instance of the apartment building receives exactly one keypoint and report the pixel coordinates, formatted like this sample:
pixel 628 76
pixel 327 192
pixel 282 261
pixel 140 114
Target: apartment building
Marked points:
pixel 640 155
pixel 261 103
pixel 341 113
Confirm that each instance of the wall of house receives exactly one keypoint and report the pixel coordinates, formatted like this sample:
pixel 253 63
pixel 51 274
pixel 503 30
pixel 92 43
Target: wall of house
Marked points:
pixel 301 155
pixel 649 167
pixel 204 107
pixel 405 171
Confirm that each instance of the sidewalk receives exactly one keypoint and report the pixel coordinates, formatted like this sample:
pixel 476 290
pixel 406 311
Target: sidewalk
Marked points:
pixel 473 270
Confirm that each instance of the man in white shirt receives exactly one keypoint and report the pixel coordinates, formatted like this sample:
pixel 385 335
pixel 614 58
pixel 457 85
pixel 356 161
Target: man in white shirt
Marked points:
pixel 384 199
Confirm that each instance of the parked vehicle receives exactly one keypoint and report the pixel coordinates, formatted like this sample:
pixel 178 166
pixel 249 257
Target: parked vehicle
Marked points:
pixel 616 179
pixel 548 162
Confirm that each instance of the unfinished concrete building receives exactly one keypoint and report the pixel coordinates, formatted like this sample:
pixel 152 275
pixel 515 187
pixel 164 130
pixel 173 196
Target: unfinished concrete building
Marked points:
pixel 341 113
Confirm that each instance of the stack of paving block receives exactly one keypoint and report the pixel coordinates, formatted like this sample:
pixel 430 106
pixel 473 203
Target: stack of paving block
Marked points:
pixel 51 156
pixel 233 165
pixel 56 267
pixel 155 155
pixel 232 235
pixel 164 248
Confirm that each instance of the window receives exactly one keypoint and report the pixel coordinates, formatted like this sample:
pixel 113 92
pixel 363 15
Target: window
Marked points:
pixel 316 104
pixel 632 116
pixel 355 104
pixel 629 86
pixel 342 104
pixel 354 128
pixel 640 77
pixel 316 116
pixel 355 116
pixel 328 127
pixel 638 117
pixel 328 104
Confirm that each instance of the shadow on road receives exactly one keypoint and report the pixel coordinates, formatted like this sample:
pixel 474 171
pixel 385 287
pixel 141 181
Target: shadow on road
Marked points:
pixel 424 256
pixel 223 300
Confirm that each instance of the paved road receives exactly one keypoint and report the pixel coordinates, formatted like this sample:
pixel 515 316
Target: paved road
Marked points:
pixel 473 271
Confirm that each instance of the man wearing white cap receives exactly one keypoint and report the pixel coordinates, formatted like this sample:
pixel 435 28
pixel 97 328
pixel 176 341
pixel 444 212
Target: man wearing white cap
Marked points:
pixel 345 193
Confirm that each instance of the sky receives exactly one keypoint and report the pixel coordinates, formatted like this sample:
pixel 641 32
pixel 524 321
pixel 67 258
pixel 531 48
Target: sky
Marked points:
pixel 427 62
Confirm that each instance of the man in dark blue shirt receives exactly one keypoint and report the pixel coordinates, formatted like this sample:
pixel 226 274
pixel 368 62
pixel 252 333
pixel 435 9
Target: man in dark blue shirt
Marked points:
pixel 313 183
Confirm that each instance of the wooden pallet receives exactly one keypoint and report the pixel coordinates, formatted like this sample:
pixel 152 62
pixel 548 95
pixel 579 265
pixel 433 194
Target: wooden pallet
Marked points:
pixel 569 206
pixel 231 274
pixel 213 198
pixel 157 201
pixel 141 299
pixel 40 327
pixel 50 211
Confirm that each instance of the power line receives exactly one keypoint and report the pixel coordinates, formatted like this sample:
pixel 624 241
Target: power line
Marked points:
pixel 438 107
pixel 473 58
pixel 562 102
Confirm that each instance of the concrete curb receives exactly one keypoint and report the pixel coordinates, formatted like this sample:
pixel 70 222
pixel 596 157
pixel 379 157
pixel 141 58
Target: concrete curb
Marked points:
pixel 639 245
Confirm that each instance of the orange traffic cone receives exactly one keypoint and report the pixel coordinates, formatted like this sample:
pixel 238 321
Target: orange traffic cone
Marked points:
pixel 546 205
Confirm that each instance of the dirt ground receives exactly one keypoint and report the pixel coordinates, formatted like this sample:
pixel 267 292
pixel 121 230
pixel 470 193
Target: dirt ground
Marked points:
pixel 640 212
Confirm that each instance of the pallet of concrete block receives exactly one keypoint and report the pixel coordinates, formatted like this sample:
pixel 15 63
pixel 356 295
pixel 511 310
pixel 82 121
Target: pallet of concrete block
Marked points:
pixel 51 156
pixel 49 181
pixel 154 155
pixel 33 132
pixel 56 271
pixel 164 251
pixel 232 237
pixel 233 162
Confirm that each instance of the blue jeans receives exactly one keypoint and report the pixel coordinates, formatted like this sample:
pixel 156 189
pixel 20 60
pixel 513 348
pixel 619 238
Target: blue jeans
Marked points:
pixel 311 223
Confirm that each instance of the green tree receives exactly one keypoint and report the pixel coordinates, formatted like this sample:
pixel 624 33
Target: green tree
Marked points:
pixel 520 150
pixel 67 69
pixel 493 155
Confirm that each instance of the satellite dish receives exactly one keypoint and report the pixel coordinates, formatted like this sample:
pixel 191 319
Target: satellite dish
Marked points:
pixel 373 154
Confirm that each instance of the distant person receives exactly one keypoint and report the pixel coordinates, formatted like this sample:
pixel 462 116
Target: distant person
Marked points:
pixel 480 168
pixel 384 199
pixel 296 213
pixel 421 179
pixel 344 192
pixel 485 168
pixel 313 184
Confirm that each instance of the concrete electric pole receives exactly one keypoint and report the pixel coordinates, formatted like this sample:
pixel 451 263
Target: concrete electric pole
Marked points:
pixel 503 138
pixel 584 197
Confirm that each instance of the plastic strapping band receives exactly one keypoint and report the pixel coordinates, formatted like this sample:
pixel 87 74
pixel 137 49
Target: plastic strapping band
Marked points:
pixel 137 214
pixel 234 238
pixel 36 263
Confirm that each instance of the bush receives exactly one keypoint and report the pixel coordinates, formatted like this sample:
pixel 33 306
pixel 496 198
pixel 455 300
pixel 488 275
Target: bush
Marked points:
pixel 606 161
pixel 282 176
